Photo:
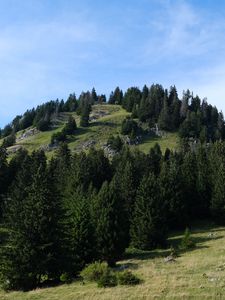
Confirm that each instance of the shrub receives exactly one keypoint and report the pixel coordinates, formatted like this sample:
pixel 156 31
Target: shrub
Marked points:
pixel 58 137
pixel 128 278
pixel 115 143
pixel 129 126
pixel 107 279
pixel 173 251
pixel 187 242
pixel 94 271
pixel 43 125
pixel 9 140
pixel 66 278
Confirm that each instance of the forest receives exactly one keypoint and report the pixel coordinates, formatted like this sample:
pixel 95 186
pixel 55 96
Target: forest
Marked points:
pixel 59 215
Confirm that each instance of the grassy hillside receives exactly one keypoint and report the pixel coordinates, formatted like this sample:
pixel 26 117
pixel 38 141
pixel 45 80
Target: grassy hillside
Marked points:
pixel 196 274
pixel 107 121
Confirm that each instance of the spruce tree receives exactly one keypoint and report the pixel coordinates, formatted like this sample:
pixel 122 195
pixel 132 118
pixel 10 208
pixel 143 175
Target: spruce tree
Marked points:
pixel 70 126
pixel 85 112
pixel 218 195
pixel 33 219
pixel 81 230
pixel 172 192
pixel 165 118
pixel 148 228
pixel 4 176
pixel 110 225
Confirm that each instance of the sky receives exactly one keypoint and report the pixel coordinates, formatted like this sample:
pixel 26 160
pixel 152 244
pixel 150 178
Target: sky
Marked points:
pixel 49 49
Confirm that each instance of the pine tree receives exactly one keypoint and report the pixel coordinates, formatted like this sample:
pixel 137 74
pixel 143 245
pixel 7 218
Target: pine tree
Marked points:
pixel 81 230
pixel 94 96
pixel 172 192
pixel 85 112
pixel 148 228
pixel 109 223
pixel 33 219
pixel 164 118
pixel 70 127
pixel 154 159
pixel 4 176
pixel 204 187
pixel 218 195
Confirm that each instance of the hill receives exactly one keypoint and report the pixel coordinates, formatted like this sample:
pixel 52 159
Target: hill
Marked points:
pixel 105 119
pixel 196 274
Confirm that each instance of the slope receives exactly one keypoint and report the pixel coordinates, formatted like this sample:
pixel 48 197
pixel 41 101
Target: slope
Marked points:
pixel 105 121
pixel 196 274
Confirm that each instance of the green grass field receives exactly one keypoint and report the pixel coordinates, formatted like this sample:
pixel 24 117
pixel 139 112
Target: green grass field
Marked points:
pixel 97 133
pixel 196 274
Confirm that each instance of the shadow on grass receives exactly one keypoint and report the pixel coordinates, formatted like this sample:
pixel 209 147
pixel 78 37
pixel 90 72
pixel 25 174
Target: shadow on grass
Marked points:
pixel 105 123
pixel 129 265
pixel 150 138
pixel 175 241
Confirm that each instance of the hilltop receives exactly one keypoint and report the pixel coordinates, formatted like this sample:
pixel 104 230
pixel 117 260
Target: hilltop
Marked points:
pixel 105 120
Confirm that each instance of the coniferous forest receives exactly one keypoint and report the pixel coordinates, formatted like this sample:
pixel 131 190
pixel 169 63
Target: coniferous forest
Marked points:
pixel 59 215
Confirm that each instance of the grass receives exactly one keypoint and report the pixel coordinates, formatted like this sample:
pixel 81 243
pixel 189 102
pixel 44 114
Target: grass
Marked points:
pixel 196 274
pixel 170 140
pixel 98 131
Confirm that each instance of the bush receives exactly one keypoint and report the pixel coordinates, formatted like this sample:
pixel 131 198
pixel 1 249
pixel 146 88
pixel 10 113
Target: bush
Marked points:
pixel 94 271
pixel 128 278
pixel 187 242
pixel 9 140
pixel 129 126
pixel 66 278
pixel 43 125
pixel 107 279
pixel 58 137
pixel 115 143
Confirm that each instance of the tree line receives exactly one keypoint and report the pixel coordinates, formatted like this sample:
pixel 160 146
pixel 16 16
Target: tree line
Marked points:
pixel 43 116
pixel 59 215
pixel 192 117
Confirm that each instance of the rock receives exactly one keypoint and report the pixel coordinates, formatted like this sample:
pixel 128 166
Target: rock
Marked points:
pixel 211 234
pixel 169 259
pixel 27 133
pixel 14 149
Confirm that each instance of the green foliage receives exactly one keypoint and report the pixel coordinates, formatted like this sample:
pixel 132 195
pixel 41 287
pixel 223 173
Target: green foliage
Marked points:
pixel 81 231
pixel 9 140
pixel 128 278
pixel 171 182
pixel 58 137
pixel 187 242
pixel 84 108
pixel 65 278
pixel 107 279
pixel 148 225
pixel 36 237
pixel 218 193
pixel 70 127
pixel 43 125
pixel 110 223
pixel 129 127
pixel 94 271
pixel 115 143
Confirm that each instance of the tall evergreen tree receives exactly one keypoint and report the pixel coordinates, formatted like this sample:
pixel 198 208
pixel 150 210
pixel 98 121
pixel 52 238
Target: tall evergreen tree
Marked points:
pixel 172 193
pixel 35 232
pixel 85 112
pixel 81 230
pixel 109 223
pixel 148 228
pixel 218 195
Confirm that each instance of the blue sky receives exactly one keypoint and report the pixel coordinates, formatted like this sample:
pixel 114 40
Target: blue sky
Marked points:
pixel 49 49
